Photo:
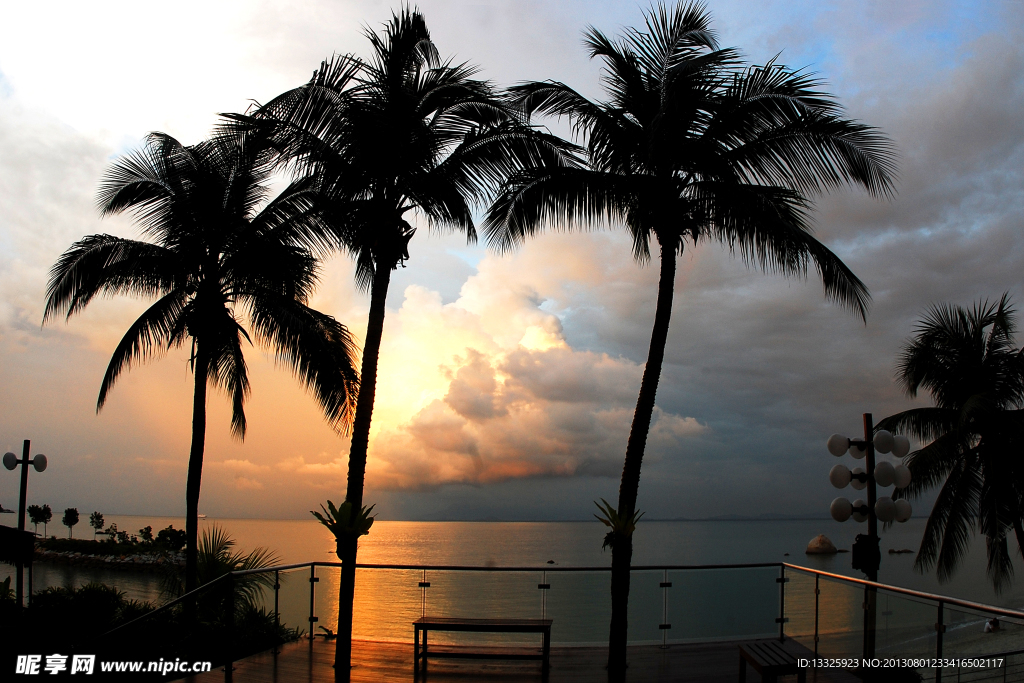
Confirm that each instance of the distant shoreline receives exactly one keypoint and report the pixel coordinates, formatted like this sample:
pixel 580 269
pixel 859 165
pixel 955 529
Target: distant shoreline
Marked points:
pixel 485 520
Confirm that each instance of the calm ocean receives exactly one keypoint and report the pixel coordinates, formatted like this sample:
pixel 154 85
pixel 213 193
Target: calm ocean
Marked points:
pixel 729 602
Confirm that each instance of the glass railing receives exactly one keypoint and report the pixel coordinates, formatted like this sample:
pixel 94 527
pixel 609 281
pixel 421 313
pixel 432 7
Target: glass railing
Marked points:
pixel 733 602
pixel 841 617
pixel 833 616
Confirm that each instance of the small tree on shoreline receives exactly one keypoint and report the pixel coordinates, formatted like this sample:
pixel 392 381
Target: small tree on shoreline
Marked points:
pixel 35 515
pixel 70 520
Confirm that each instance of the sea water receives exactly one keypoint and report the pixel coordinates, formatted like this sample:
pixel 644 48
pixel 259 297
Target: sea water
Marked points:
pixel 704 604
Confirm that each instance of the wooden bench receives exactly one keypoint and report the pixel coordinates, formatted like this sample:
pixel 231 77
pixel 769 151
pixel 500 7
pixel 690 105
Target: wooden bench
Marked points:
pixel 458 624
pixel 770 659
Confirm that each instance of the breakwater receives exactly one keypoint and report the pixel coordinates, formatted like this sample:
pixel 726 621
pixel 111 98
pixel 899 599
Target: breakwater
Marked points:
pixel 144 562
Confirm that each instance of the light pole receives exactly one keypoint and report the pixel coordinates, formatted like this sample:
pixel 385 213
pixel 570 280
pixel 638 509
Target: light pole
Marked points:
pixel 10 462
pixel 866 554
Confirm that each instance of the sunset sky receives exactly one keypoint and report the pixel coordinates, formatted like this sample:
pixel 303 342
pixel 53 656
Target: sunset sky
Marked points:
pixel 507 383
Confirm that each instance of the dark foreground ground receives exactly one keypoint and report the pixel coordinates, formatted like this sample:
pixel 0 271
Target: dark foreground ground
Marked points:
pixel 386 662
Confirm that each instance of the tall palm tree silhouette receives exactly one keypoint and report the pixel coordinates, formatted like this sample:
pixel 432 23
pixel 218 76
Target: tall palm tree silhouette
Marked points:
pixel 690 147
pixel 966 359
pixel 401 133
pixel 222 253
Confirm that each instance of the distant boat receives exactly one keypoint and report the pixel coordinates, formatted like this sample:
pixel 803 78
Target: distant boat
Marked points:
pixel 200 516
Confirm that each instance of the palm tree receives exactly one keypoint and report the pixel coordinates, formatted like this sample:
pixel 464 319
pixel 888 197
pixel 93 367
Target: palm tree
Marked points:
pixel 401 133
pixel 690 147
pixel 217 557
pixel 966 359
pixel 96 522
pixel 221 253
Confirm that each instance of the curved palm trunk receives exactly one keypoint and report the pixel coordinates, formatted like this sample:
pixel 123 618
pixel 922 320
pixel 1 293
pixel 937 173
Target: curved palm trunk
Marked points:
pixel 195 472
pixel 348 547
pixel 622 549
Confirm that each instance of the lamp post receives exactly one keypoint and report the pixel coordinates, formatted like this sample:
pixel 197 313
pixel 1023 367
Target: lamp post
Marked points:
pixel 866 553
pixel 10 462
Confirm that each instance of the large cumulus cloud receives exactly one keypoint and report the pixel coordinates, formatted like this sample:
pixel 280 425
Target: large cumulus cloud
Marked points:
pixel 501 394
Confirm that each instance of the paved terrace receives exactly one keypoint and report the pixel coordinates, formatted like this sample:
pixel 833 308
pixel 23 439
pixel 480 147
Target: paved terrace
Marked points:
pixel 387 662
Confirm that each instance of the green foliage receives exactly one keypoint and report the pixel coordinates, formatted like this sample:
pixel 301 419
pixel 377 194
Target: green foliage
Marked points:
pixel 6 592
pixel 96 522
pixel 35 515
pixel 341 521
pixel 171 538
pixel 119 542
pixel 146 534
pixel 69 520
pixel 93 606
pixel 39 514
pixel 78 619
pixel 621 527
pixel 217 558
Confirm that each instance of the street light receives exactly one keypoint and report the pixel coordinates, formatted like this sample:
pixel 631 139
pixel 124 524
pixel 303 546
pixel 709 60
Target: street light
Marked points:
pixel 885 474
pixel 39 463
pixel 866 554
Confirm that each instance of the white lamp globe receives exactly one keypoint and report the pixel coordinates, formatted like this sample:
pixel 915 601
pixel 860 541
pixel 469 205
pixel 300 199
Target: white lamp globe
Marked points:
pixel 839 476
pixel 39 462
pixel 860 511
pixel 841 509
pixel 10 461
pixel 900 446
pixel 885 474
pixel 883 441
pixel 885 509
pixel 857 452
pixel 903 510
pixel 901 476
pixel 855 483
pixel 837 444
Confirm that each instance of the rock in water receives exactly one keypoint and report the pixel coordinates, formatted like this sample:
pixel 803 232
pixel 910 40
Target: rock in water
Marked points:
pixel 820 545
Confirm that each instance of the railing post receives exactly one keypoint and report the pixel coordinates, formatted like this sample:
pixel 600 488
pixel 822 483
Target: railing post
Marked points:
pixel 664 625
pixel 940 628
pixel 782 619
pixel 229 622
pixel 277 610
pixel 544 586
pixel 312 604
pixel 424 585
pixel 817 594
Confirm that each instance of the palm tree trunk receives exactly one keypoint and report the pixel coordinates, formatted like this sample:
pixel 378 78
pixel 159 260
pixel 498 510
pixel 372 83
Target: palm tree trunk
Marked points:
pixel 622 548
pixel 195 472
pixel 348 547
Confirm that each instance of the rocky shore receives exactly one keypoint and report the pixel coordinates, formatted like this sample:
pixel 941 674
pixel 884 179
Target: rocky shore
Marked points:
pixel 145 562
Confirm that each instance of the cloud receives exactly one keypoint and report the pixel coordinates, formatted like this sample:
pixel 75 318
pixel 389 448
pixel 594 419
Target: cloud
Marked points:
pixel 508 377
pixel 247 484
pixel 502 395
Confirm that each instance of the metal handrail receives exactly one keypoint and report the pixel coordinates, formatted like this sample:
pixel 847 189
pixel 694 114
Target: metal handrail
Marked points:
pixel 476 568
pixel 947 600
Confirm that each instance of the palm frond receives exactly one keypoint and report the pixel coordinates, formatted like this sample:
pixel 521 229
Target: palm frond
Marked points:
pixel 318 349
pixel 151 332
pixel 105 264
